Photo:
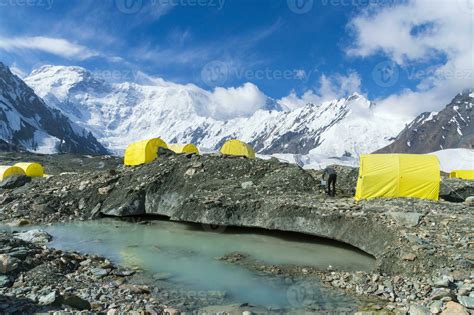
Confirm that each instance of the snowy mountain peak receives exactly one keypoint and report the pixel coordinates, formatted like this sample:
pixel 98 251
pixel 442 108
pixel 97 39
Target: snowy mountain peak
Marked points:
pixel 453 127
pixel 120 113
pixel 27 122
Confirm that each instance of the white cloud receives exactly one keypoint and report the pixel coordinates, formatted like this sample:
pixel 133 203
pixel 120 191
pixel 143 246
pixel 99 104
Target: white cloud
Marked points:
pixel 234 102
pixel 56 46
pixel 330 87
pixel 415 35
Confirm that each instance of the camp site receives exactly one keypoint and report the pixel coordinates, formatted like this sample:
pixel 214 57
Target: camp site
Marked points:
pixel 237 157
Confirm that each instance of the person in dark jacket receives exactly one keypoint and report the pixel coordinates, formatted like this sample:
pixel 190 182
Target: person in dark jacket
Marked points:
pixel 331 175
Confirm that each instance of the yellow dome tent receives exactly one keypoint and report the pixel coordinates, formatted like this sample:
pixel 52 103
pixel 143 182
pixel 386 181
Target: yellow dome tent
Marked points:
pixel 238 148
pixel 462 174
pixel 6 171
pixel 31 169
pixel 398 175
pixel 143 152
pixel 183 148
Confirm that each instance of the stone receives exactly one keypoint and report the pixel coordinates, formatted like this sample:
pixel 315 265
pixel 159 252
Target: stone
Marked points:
pixel 4 281
pixel 453 308
pixel 96 211
pixel 190 172
pixel 171 311
pixel 8 263
pixel 113 311
pixel 409 257
pixel 14 181
pixel 75 301
pixel 105 190
pixel 99 272
pixel 440 293
pixel 470 201
pixel 35 236
pixel 409 219
pixel 417 309
pixel 51 298
pixel 443 282
pixel 123 272
pixel 247 185
pixel 436 307
pixel 18 223
pixel 467 301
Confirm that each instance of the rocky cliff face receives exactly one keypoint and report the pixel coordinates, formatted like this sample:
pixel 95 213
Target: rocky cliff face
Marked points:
pixel 453 127
pixel 26 122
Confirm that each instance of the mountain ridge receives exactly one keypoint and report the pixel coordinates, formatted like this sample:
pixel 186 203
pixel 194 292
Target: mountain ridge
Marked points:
pixel 121 113
pixel 27 123
pixel 452 127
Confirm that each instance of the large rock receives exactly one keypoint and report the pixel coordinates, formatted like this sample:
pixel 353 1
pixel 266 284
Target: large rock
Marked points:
pixel 34 236
pixel 75 301
pixel 8 263
pixel 453 308
pixel 406 218
pixel 456 190
pixel 14 181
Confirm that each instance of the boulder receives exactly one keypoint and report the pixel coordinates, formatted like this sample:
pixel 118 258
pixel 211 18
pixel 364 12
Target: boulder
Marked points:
pixel 14 181
pixel 35 236
pixel 409 219
pixel 75 301
pixel 456 190
pixel 467 301
pixel 8 263
pixel 417 309
pixel 454 308
pixel 52 298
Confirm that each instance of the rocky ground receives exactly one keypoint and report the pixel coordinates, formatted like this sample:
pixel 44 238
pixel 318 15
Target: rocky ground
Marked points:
pixel 423 248
pixel 35 278
pixel 62 163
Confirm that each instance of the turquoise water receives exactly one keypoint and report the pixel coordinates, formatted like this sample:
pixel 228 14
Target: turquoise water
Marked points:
pixel 185 257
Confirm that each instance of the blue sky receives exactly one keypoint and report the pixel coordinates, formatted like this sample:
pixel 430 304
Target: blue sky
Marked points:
pixel 396 52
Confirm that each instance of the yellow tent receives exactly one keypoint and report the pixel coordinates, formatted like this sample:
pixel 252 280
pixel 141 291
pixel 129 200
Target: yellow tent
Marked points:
pixel 463 174
pixel 31 169
pixel 183 148
pixel 143 152
pixel 398 175
pixel 238 148
pixel 6 171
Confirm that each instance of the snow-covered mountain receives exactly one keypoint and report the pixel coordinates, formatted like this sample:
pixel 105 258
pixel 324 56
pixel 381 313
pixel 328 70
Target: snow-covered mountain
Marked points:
pixel 120 113
pixel 26 122
pixel 453 127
